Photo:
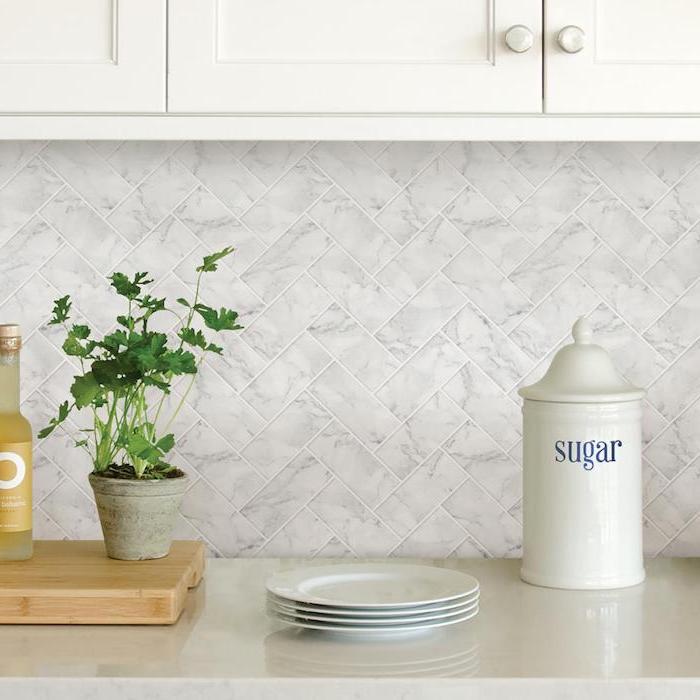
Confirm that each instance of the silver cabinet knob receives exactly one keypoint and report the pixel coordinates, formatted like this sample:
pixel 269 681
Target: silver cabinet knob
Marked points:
pixel 519 38
pixel 571 39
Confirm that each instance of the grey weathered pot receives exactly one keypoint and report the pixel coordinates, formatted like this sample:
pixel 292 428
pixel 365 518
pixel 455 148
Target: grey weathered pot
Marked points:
pixel 138 517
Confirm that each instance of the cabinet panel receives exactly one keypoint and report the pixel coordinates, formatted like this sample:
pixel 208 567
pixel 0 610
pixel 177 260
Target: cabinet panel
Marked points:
pixel 82 55
pixel 638 58
pixel 365 56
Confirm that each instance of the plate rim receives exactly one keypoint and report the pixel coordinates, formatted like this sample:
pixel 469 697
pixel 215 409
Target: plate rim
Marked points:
pixel 274 585
pixel 376 622
pixel 374 612
pixel 375 630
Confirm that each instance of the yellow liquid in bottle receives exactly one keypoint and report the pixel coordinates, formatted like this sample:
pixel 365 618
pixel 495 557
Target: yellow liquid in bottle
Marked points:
pixel 14 428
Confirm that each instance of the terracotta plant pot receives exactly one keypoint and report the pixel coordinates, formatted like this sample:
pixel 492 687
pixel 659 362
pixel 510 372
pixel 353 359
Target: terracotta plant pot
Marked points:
pixel 138 517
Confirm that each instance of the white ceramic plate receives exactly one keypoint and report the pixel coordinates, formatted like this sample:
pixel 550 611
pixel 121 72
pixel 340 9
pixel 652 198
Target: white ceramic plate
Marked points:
pixel 372 585
pixel 367 621
pixel 293 607
pixel 329 627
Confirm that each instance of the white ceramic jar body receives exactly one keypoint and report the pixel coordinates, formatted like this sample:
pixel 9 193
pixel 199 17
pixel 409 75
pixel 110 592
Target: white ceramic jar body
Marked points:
pixel 582 494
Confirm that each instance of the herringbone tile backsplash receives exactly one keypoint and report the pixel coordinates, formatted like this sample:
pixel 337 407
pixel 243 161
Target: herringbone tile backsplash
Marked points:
pixel 394 295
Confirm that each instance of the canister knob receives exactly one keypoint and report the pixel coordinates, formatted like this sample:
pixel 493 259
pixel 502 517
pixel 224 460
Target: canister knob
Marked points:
pixel 582 331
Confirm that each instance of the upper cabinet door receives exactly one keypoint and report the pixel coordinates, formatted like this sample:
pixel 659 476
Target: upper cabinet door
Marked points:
pixel 354 56
pixel 619 56
pixel 82 55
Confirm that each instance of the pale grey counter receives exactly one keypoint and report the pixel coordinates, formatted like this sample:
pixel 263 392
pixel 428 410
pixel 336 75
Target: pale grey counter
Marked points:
pixel 526 643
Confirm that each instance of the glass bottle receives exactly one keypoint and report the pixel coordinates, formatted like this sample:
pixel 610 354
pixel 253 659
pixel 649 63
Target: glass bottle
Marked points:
pixel 15 455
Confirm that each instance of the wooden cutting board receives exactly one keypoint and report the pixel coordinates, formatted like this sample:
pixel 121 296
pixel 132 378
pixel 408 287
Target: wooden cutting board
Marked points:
pixel 71 583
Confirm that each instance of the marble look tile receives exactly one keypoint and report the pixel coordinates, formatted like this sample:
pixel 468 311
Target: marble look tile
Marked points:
pixel 624 232
pixel 678 503
pixel 418 320
pixel 536 161
pixel 470 549
pixel 672 160
pixel 212 458
pixel 335 548
pixel 87 232
pixel 287 375
pixel 350 167
pixel 679 209
pixel 683 542
pixel 483 342
pixel 653 483
pixel 350 462
pixel 239 363
pixel 481 516
pixel 282 439
pixel 418 203
pixel 627 293
pixel 213 516
pixel 404 160
pixel 486 404
pixel 286 259
pixel 679 386
pixel 152 201
pixel 352 404
pixel 428 369
pixel 507 148
pixel 353 288
pixel 552 203
pixel 678 268
pixel 551 320
pixel 429 251
pixel 302 536
pixel 675 330
pixel 269 160
pixel 217 228
pixel 24 253
pixel 486 286
pixel 80 166
pixel 353 347
pixel 31 303
pixel 486 463
pixel 356 525
pixel 554 259
pixel 135 160
pixel 437 536
pixel 353 230
pixel 24 194
pixel 73 512
pixel 653 539
pixel 652 423
pixel 44 528
pixel 46 476
pixel 286 493
pixel 624 174
pixel 286 317
pixel 677 445
pixel 491 174
pixel 282 205
pixel 426 487
pixel 164 248
pixel 490 232
pixel 420 435
pixel 14 155
pixel 232 417
pixel 219 171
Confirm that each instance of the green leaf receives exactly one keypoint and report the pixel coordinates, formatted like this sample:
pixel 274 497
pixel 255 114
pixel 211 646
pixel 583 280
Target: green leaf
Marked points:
pixel 215 349
pixel 222 320
pixel 129 288
pixel 209 263
pixel 73 346
pixel 179 362
pixel 63 411
pixel 165 444
pixel 182 301
pixel 61 311
pixel 85 390
pixel 192 337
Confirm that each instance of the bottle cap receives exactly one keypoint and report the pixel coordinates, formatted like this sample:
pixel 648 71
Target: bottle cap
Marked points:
pixel 10 330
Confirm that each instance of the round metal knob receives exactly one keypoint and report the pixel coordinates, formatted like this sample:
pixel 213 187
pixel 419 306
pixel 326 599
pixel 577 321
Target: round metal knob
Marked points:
pixel 571 39
pixel 519 38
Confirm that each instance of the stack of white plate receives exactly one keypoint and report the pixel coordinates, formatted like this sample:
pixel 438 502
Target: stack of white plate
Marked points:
pixel 372 598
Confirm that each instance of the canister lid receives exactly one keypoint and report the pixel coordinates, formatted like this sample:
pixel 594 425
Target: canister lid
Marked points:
pixel 582 373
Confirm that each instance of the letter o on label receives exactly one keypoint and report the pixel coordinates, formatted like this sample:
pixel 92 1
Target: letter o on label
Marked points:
pixel 19 465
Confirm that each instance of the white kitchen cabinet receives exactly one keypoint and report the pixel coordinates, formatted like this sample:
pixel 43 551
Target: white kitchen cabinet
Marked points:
pixel 640 57
pixel 353 56
pixel 82 55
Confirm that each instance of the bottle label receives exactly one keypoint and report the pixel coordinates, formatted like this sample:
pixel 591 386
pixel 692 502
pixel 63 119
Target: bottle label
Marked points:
pixel 15 486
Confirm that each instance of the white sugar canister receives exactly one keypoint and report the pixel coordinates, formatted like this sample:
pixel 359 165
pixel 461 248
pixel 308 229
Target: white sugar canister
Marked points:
pixel 582 472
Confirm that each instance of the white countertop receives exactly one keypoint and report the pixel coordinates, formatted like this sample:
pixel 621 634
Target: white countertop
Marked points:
pixel 526 643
